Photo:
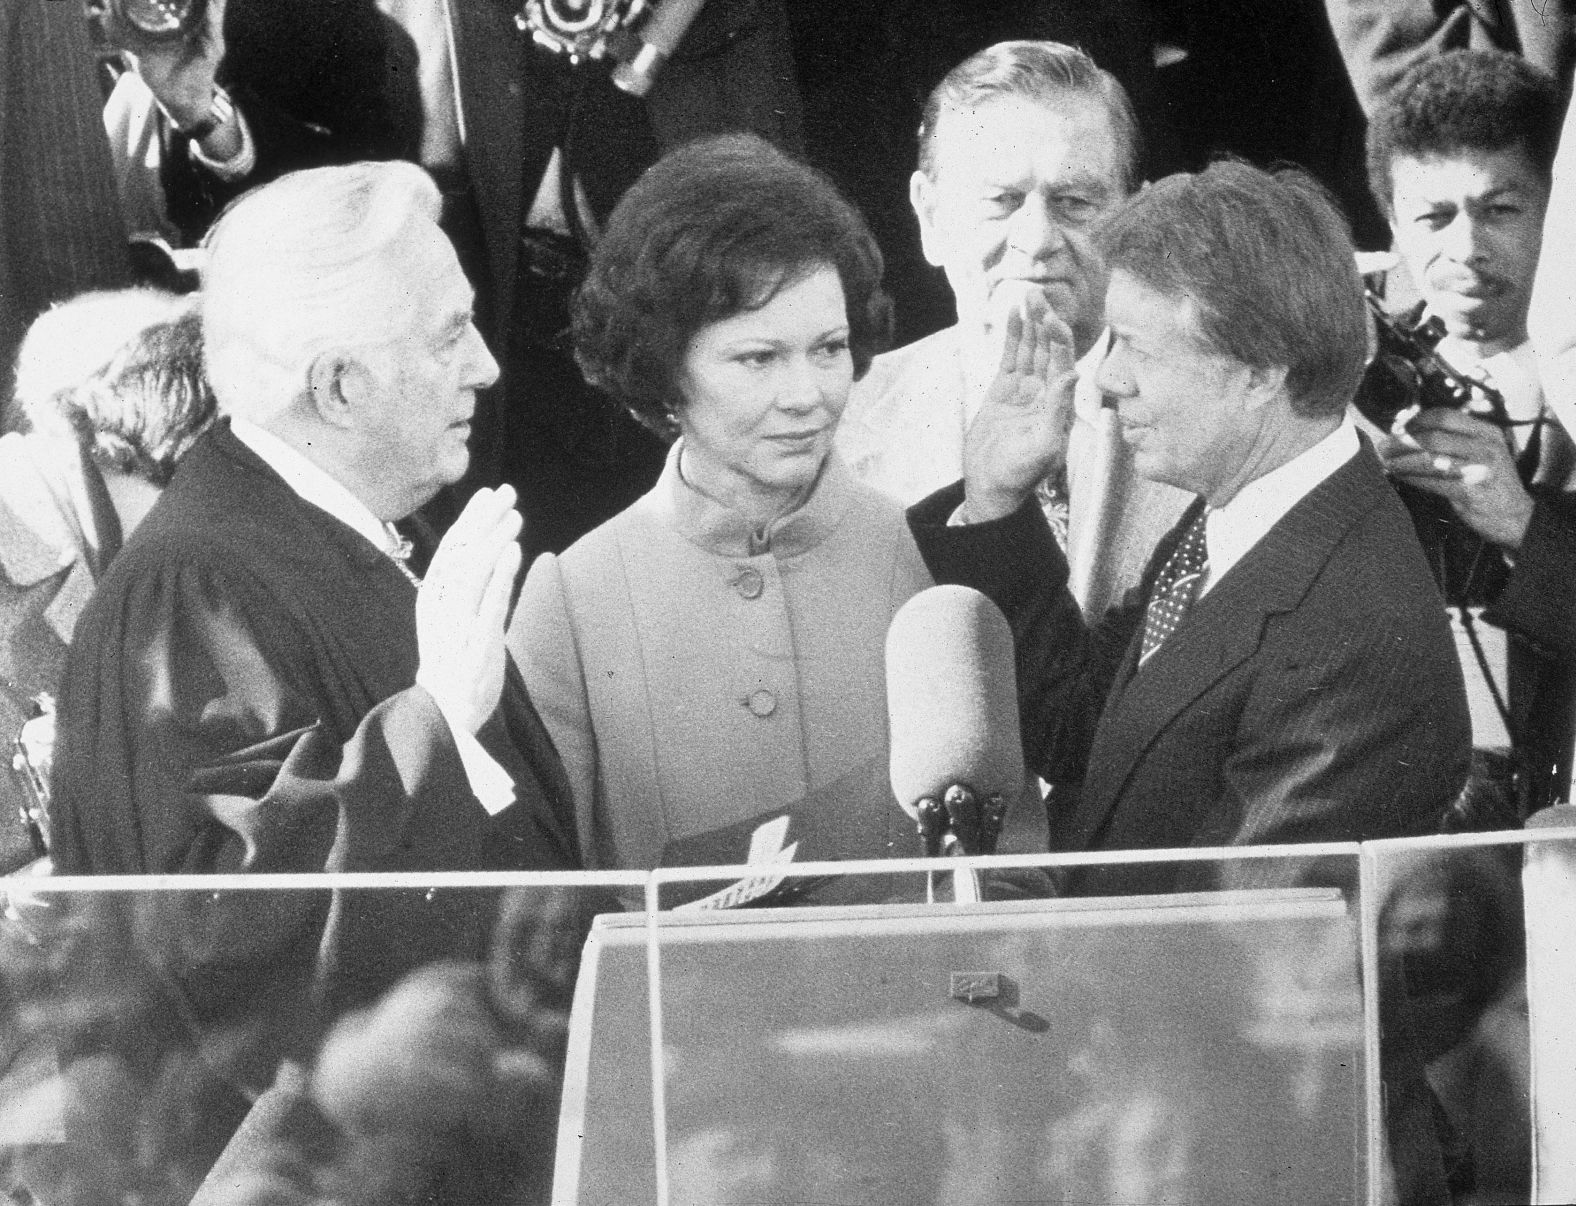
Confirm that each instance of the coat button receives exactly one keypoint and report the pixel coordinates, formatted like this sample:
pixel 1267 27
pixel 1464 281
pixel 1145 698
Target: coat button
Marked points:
pixel 762 702
pixel 749 583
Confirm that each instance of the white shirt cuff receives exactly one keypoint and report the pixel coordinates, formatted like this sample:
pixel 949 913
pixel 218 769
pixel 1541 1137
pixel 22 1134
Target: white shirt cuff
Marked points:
pixel 489 782
pixel 238 166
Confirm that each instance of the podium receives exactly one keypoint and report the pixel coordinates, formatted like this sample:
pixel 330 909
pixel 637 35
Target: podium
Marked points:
pixel 1174 1049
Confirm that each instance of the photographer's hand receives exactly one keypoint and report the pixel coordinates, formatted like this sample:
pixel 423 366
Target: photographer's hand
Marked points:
pixel 181 75
pixel 1467 462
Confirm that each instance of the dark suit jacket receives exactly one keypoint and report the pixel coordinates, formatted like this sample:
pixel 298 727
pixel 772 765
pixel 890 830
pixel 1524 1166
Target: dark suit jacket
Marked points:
pixel 60 225
pixel 1311 695
pixel 1537 606
pixel 1380 39
pixel 311 79
pixel 733 71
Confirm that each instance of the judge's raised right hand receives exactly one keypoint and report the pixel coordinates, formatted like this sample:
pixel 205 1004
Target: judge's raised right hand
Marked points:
pixel 1019 436
pixel 462 605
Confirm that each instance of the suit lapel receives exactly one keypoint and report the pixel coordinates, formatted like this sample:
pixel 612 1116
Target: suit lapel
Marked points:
pixel 1221 631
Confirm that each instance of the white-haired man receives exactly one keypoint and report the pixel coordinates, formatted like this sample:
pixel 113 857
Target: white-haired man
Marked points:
pixel 258 685
pixel 1024 148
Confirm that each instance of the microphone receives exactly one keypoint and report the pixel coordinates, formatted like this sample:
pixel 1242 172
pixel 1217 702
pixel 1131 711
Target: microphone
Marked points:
pixel 952 709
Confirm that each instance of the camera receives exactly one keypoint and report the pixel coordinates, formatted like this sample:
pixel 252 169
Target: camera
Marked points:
pixel 1407 372
pixel 581 29
pixel 132 23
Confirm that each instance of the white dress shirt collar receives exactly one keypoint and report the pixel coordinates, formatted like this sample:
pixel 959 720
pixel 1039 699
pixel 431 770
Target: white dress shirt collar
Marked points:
pixel 315 484
pixel 1230 531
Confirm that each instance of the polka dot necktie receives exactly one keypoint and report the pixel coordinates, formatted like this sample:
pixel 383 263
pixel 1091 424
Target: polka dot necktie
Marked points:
pixel 1175 588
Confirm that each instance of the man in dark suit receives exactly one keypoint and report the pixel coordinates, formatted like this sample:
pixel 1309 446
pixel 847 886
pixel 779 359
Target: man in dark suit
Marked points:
pixel 1282 673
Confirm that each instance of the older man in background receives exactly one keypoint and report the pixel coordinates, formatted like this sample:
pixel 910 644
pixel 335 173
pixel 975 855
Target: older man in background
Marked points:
pixel 1024 148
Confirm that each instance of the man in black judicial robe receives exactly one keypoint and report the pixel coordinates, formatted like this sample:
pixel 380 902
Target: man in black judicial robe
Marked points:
pixel 258 686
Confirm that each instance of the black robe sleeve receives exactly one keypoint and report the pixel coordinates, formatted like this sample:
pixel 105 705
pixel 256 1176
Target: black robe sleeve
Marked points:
pixel 206 728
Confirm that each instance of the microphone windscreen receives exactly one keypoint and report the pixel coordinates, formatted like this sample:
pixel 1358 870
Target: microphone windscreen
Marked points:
pixel 952 697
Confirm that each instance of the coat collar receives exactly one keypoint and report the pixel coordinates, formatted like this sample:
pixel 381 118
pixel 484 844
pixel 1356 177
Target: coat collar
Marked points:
pixel 50 519
pixel 719 529
pixel 1222 630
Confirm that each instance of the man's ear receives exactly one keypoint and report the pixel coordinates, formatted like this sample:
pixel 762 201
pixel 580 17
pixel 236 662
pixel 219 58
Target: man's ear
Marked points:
pixel 922 196
pixel 339 386
pixel 1265 384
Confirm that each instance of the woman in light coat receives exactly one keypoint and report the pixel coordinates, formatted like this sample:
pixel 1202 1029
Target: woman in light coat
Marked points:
pixel 712 656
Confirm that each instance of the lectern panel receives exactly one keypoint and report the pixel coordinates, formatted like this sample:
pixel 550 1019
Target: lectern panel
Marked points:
pixel 1157 1050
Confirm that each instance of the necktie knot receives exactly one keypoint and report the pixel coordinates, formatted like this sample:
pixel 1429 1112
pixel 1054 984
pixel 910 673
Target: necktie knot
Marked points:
pixel 1176 586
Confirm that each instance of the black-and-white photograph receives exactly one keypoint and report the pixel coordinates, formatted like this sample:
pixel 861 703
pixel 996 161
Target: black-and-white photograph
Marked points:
pixel 787 602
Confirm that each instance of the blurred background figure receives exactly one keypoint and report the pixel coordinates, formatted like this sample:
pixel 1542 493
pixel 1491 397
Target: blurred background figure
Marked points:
pixel 111 388
pixel 443 1087
pixel 715 651
pixel 1452 920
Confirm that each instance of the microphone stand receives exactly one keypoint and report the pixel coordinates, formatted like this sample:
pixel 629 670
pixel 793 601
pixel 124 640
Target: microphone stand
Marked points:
pixel 961 822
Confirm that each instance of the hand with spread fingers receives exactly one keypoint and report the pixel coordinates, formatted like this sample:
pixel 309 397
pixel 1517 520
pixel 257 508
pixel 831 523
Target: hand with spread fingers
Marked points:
pixel 1019 436
pixel 463 604
pixel 1465 461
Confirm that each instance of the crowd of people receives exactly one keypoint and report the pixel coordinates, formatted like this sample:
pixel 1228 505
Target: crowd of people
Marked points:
pixel 372 506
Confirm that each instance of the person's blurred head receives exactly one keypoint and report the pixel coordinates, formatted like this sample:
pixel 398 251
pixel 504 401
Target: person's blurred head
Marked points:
pixel 734 298
pixel 1461 158
pixel 1237 318
pixel 337 316
pixel 1023 149
pixel 121 372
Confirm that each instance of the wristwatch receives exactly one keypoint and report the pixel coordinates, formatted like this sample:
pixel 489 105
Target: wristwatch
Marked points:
pixel 220 110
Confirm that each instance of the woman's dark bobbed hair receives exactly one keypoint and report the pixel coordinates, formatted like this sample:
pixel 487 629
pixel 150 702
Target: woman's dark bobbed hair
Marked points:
pixel 713 229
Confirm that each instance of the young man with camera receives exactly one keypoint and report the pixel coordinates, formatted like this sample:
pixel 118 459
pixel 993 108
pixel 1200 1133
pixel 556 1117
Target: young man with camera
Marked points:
pixel 1460 156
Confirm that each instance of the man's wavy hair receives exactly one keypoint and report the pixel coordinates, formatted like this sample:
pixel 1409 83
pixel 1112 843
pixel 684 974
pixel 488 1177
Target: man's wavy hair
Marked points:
pixel 301 265
pixel 1043 72
pixel 715 228
pixel 1267 259
pixel 1464 100
pixel 122 373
